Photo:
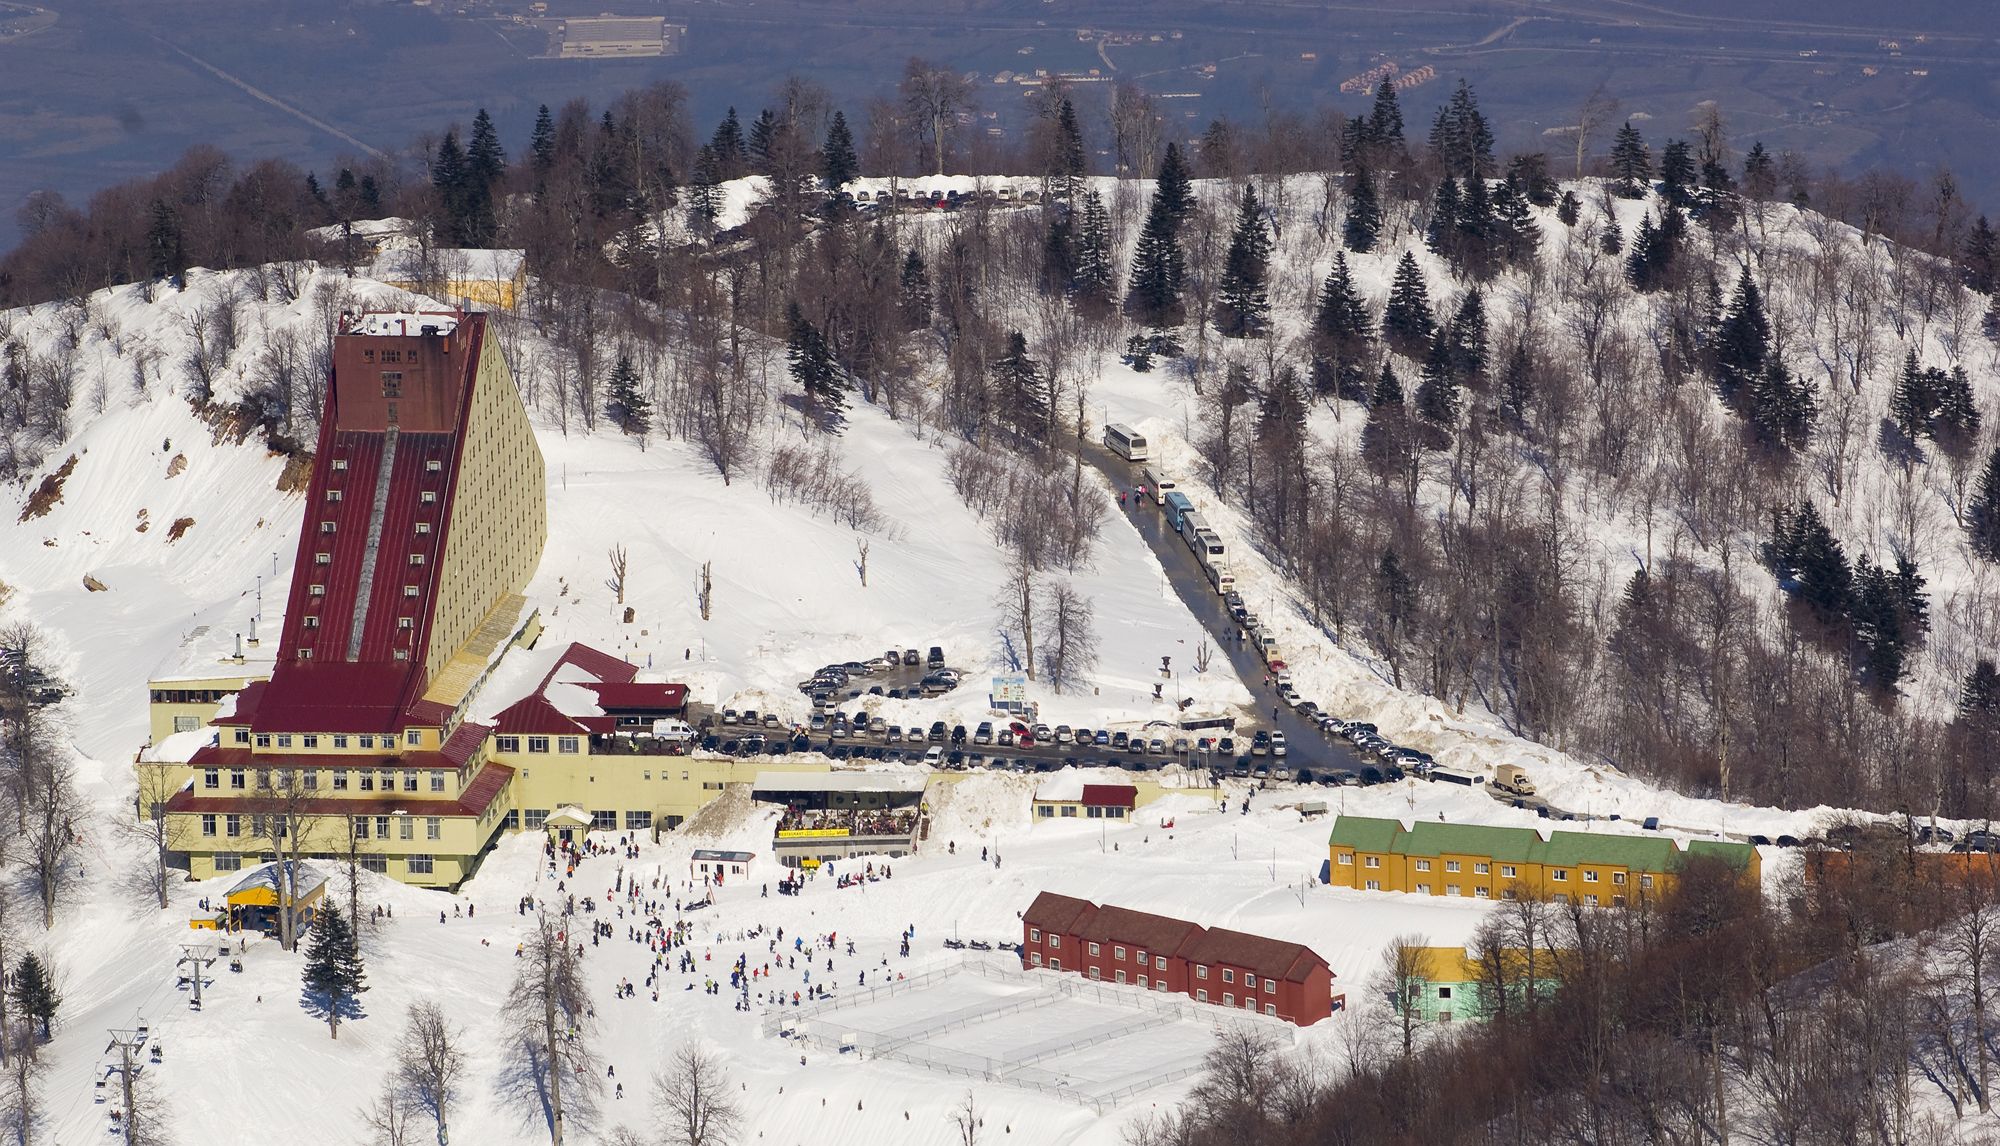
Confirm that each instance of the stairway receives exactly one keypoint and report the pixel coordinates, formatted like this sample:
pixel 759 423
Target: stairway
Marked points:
pixel 376 513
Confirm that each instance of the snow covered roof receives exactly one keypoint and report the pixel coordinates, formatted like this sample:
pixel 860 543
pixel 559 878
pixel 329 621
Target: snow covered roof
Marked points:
pixel 714 856
pixel 577 691
pixel 401 322
pixel 180 747
pixel 265 879
pixel 838 782
pixel 409 264
pixel 569 816
pixel 1068 787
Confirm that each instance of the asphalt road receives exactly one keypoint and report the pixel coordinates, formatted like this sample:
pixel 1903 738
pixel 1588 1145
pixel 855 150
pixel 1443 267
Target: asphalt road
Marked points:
pixel 1308 746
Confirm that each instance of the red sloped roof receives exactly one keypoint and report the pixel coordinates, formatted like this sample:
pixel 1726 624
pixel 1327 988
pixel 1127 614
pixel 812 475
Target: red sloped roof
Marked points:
pixel 1140 929
pixel 1110 795
pixel 532 715
pixel 464 741
pixel 603 666
pixel 1058 913
pixel 334 696
pixel 641 695
pixel 1271 958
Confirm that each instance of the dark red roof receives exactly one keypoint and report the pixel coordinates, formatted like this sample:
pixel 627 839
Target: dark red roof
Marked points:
pixel 474 801
pixel 612 696
pixel 534 716
pixel 1110 795
pixel 463 742
pixel 346 661
pixel 1140 929
pixel 217 756
pixel 603 666
pixel 1271 958
pixel 1058 913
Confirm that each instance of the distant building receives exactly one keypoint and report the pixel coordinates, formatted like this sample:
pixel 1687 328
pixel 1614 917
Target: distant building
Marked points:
pixel 1449 983
pixel 1159 953
pixel 710 864
pixel 1597 869
pixel 493 278
pixel 619 37
pixel 832 816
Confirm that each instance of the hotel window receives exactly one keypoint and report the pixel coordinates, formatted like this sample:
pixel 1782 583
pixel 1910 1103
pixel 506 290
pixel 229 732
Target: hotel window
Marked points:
pixel 326 527
pixel 1229 998
pixel 1423 865
pixel 381 827
pixel 309 740
pixel 423 527
pixel 1645 883
pixel 1372 861
pixel 1562 897
pixel 1055 940
pixel 340 740
pixel 340 463
pixel 1270 1008
pixel 232 824
pixel 1201 972
pixel 1249 980
pixel 368 742
pixel 1559 875
pixel 1228 975
pixel 228 861
pixel 333 495
pixel 413 737
pixel 416 559
pixel 409 781
pixel 1118 953
pixel 1270 987
pixel 433 828
pixel 211 778
pixel 208 824
pixel 568 744
pixel 1617 901
pixel 1373 885
pixel 1143 983
pixel 312 779
pixel 405 830
pixel 361 827
pixel 437 780
pixel 1346 859
pixel 1481 893
pixel 263 780
pixel 420 865
pixel 1035 957
pixel 340 779
pixel 638 821
pixel 236 778
pixel 1034 935
pixel 1590 877
pixel 1055 964
pixel 409 590
pixel 1507 871
pixel 1590 900
pixel 1093 948
pixel 317 590
pixel 1451 889
pixel 1481 868
pixel 1201 996
pixel 242 736
pixel 1451 865
pixel 507 744
pixel 1423 889
pixel 538 744
pixel 1618 877
pixel 322 559
pixel 427 497
pixel 388 781
pixel 1120 976
pixel 367 781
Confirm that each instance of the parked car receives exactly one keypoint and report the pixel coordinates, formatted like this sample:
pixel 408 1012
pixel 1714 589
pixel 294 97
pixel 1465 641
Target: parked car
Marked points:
pixel 1260 744
pixel 1157 746
pixel 1005 737
pixel 1277 744
pixel 1064 734
pixel 910 657
pixel 935 756
pixel 936 659
pixel 1119 740
pixel 984 733
pixel 1226 746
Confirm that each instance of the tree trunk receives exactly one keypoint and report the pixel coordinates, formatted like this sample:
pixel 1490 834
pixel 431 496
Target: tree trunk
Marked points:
pixel 554 1063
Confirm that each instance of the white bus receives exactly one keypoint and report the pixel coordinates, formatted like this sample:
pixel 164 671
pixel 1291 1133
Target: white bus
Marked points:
pixel 1159 487
pixel 1125 441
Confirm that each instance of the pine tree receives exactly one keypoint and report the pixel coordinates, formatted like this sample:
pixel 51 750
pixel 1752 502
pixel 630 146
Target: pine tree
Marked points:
pixel 1567 209
pixel 165 255
pixel 1744 341
pixel 542 143
pixel 1059 257
pixel 1153 295
pixel 1979 697
pixel 704 194
pixel 1812 565
pixel 1175 188
pixel 1530 172
pixel 1760 174
pixel 1781 407
pixel 1385 440
pixel 34 993
pixel 1096 278
pixel 334 977
pixel 1385 119
pixel 913 296
pixel 1631 162
pixel 838 166
pixel 485 158
pixel 1441 236
pixel 1677 173
pixel 1982 258
pixel 627 404
pixel 1243 303
pixel 761 145
pixel 732 151
pixel 1956 425
pixel 1069 162
pixel 448 177
pixel 1476 247
pixel 1407 324
pixel 1517 386
pixel 1437 393
pixel 1460 137
pixel 812 366
pixel 1341 323
pixel 1613 239
pixel 1359 231
pixel 1467 341
pixel 1878 627
pixel 1983 512
pixel 1021 390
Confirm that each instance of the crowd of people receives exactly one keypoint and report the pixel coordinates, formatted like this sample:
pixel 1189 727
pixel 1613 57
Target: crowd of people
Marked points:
pixel 858 821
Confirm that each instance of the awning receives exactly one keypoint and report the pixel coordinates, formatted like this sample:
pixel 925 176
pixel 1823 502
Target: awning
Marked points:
pixel 569 816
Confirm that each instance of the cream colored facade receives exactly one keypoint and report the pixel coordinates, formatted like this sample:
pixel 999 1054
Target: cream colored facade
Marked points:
pixel 184 703
pixel 637 792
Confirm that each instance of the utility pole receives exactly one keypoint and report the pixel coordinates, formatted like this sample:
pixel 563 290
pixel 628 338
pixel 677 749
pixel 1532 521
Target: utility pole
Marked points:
pixel 197 957
pixel 128 1044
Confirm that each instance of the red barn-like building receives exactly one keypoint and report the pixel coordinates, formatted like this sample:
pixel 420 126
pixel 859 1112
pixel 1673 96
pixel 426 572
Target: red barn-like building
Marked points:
pixel 1159 953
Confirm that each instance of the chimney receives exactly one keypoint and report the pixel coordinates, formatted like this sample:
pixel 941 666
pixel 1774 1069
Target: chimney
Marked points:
pixel 253 632
pixel 238 658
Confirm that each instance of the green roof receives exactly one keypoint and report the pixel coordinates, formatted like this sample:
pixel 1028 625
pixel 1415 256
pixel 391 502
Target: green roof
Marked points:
pixel 1647 853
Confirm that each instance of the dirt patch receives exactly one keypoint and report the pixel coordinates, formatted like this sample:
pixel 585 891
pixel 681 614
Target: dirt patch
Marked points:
pixel 179 529
pixel 177 466
pixel 297 475
pixel 49 492
pixel 93 584
pixel 145 521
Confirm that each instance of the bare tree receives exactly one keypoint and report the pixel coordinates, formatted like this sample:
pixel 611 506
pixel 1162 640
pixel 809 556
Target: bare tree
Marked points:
pixel 1398 985
pixel 429 1066
pixel 933 97
pixel 1017 610
pixel 616 582
pixel 1595 113
pixel 861 558
pixel 707 589
pixel 692 1105
pixel 162 833
pixel 550 1073
pixel 284 814
pixel 389 1118
pixel 53 807
pixel 965 1117
pixel 21 1109
pixel 1069 648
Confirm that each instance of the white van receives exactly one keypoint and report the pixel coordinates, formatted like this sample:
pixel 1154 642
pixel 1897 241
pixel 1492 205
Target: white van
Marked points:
pixel 674 731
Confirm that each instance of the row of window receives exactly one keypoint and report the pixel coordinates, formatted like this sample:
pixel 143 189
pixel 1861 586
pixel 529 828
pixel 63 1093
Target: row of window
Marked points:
pixel 189 695
pixel 1507 870
pixel 1159 961
pixel 413 738
pixel 534 819
pixel 379 864
pixel 568 744
pixel 1048 811
pixel 341 779
pixel 1146 984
